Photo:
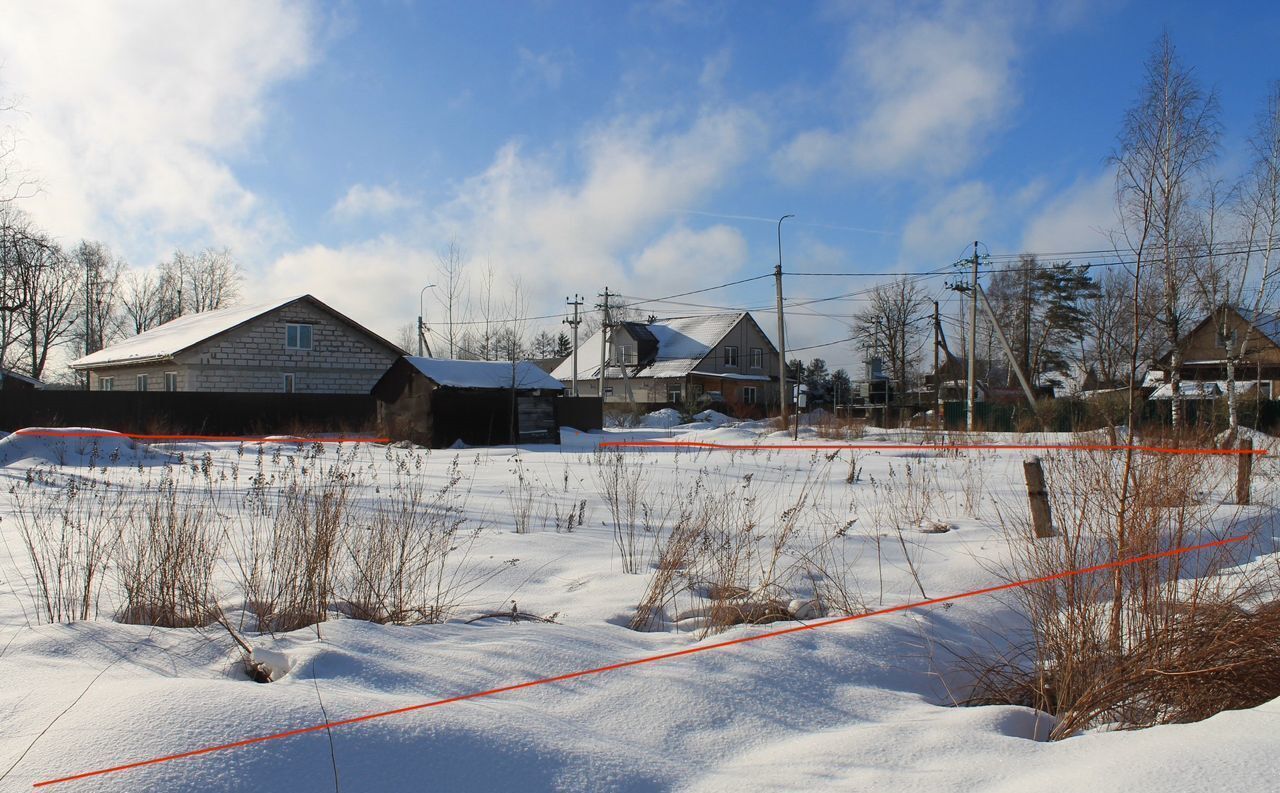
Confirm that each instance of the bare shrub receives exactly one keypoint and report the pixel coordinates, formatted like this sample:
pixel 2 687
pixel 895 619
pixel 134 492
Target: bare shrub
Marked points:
pixel 166 559
pixel 293 522
pixel 399 557
pixel 1159 641
pixel 69 532
pixel 623 484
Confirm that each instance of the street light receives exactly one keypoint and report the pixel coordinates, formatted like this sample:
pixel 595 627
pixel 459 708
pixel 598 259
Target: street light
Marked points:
pixel 422 329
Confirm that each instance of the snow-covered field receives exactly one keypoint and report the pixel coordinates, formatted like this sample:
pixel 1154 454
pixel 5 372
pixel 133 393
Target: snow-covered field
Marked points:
pixel 865 705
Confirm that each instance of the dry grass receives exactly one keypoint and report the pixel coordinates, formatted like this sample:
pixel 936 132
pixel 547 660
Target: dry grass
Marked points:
pixel 1169 640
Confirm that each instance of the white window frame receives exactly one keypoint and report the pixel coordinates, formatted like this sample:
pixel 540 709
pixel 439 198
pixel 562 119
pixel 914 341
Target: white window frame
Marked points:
pixel 749 395
pixel 170 381
pixel 675 392
pixel 144 382
pixel 106 384
pixel 731 356
pixel 757 357
pixel 295 329
pixel 289 381
pixel 624 354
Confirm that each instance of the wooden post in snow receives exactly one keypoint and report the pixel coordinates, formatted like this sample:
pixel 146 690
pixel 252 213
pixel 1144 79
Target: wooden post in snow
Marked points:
pixel 1038 495
pixel 1244 471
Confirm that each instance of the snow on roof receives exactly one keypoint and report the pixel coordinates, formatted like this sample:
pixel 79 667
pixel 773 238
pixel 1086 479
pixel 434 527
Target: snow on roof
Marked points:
pixel 484 374
pixel 1192 389
pixel 682 344
pixel 177 335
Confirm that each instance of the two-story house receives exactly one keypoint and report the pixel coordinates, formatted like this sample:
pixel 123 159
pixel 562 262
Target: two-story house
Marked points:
pixel 297 344
pixel 679 360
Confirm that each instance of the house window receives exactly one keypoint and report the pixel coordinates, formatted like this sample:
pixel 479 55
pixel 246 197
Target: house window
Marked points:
pixel 106 384
pixel 608 390
pixel 142 382
pixel 749 395
pixel 288 382
pixel 673 392
pixel 624 354
pixel 297 336
pixel 757 358
pixel 170 381
pixel 731 356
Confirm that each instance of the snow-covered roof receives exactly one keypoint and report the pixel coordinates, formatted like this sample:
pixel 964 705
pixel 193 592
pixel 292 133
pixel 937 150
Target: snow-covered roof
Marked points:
pixel 484 374
pixel 1191 389
pixel 683 342
pixel 163 342
pixel 177 335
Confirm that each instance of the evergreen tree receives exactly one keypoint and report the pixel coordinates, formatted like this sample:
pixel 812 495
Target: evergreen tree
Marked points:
pixel 564 348
pixel 818 379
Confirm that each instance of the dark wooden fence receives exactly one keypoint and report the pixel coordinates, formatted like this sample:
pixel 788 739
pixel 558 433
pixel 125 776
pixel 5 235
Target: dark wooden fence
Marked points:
pixel 189 413
pixel 581 413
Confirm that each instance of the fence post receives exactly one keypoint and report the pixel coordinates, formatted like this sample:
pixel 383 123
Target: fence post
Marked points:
pixel 1244 471
pixel 1038 495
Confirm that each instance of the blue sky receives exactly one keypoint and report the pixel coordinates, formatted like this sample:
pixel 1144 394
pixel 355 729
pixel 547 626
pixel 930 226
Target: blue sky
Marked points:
pixel 569 146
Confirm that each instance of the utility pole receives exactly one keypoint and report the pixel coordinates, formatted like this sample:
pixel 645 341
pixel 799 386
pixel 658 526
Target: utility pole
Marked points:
pixel 574 323
pixel 937 375
pixel 782 333
pixel 604 338
pixel 973 341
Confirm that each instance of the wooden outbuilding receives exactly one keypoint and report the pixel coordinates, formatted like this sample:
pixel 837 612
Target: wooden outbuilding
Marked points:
pixel 438 402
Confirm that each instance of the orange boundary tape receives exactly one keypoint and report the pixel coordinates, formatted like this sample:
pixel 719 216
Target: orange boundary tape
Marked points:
pixel 635 662
pixel 925 447
pixel 216 438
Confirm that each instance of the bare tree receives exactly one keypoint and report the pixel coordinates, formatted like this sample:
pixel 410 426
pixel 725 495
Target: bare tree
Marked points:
pixel 102 275
pixel 1169 136
pixel 143 300
pixel 51 284
pixel 890 325
pixel 1258 210
pixel 452 290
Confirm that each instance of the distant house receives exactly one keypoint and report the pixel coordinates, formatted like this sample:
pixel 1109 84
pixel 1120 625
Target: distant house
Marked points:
pixel 438 402
pixel 681 359
pixel 1204 352
pixel 13 381
pixel 295 344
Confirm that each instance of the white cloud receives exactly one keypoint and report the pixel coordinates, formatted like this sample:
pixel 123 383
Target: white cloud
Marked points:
pixel 939 233
pixel 1079 218
pixel 132 110
pixel 684 258
pixel 542 69
pixel 615 224
pixel 925 86
pixel 363 200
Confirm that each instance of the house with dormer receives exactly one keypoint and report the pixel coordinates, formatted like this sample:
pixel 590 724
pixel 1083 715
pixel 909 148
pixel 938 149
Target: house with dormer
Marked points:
pixel 720 357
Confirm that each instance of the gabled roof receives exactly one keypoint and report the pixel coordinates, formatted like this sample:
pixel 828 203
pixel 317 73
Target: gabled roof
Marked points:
pixel 1267 324
pixel 9 374
pixel 484 374
pixel 683 342
pixel 163 342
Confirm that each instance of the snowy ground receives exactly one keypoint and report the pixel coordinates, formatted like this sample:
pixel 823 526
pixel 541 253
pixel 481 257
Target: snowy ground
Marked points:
pixel 865 705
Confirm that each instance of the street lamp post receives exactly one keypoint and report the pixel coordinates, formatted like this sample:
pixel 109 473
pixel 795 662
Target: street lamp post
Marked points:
pixel 422 329
pixel 782 337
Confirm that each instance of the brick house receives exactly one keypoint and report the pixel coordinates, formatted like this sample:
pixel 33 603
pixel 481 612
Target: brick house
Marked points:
pixel 680 360
pixel 295 344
